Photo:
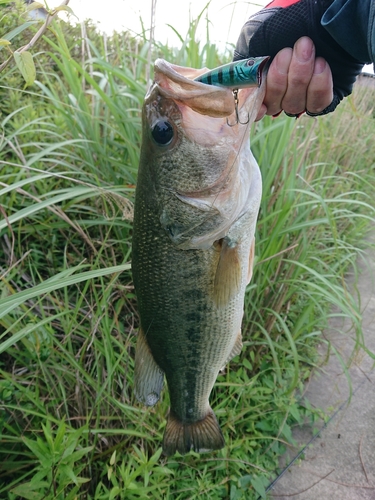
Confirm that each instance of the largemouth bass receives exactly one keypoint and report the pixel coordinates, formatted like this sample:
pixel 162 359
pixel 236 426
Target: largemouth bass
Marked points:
pixel 197 201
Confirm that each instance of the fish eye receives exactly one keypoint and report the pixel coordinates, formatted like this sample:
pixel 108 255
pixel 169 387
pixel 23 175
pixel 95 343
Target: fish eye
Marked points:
pixel 162 132
pixel 250 62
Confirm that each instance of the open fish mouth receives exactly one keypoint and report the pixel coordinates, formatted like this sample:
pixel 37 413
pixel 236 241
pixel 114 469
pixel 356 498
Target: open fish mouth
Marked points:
pixel 181 85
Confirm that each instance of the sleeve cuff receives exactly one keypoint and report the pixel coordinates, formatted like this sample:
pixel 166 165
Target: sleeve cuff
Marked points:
pixel 347 21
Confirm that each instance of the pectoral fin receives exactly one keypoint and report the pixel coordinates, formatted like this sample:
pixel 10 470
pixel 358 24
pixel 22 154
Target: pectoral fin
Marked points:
pixel 148 378
pixel 228 274
pixel 251 261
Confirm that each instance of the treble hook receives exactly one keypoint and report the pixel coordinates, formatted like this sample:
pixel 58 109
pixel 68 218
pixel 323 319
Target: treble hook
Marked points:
pixel 235 95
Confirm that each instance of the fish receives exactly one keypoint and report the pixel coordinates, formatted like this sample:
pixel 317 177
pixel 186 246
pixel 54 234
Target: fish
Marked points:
pixel 196 203
pixel 236 75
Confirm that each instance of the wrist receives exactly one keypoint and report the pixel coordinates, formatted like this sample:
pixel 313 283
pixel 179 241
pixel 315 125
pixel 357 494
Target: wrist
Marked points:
pixel 337 20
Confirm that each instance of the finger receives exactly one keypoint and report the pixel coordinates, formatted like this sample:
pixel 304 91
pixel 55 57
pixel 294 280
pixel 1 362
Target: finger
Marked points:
pixel 262 111
pixel 277 81
pixel 320 90
pixel 300 73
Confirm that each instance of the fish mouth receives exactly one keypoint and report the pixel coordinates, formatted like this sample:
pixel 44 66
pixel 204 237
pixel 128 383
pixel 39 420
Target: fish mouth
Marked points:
pixel 178 73
pixel 177 83
pixel 187 76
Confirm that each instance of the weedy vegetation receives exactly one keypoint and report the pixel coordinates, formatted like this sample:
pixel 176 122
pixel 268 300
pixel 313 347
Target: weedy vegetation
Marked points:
pixel 69 424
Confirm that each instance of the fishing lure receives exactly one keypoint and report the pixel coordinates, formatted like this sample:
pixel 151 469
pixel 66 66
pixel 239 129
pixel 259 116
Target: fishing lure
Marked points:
pixel 236 75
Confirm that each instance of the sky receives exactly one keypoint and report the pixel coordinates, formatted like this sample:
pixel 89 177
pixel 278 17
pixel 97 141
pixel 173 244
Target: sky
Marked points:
pixel 226 17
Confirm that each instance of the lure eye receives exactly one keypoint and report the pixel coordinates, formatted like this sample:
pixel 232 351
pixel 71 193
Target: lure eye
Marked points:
pixel 162 132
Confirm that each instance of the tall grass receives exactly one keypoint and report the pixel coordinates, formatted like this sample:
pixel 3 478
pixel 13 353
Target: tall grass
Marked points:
pixel 69 425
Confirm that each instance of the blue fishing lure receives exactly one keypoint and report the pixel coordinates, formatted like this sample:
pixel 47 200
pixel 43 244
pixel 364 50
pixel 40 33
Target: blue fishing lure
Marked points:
pixel 236 75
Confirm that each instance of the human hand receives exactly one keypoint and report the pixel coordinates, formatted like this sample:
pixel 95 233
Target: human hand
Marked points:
pixel 297 81
pixel 306 75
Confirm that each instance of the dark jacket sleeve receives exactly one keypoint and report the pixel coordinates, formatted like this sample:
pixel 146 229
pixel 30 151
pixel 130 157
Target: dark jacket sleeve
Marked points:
pixel 352 24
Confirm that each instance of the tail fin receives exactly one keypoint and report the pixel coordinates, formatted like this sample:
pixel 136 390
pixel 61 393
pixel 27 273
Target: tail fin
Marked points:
pixel 201 436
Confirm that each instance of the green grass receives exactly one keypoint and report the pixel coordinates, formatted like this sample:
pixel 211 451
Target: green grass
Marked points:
pixel 69 424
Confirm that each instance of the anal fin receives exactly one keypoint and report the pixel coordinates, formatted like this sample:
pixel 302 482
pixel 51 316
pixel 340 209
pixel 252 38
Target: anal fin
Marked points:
pixel 201 436
pixel 148 377
pixel 228 274
pixel 237 348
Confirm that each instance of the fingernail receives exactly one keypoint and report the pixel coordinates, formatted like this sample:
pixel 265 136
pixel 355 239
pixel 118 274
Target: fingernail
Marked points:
pixel 320 66
pixel 304 49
